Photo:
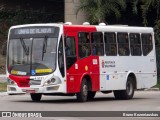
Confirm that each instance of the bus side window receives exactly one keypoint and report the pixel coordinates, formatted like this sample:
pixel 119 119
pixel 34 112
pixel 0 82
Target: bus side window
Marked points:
pixel 84 49
pixel 70 49
pixel 147 44
pixel 97 43
pixel 110 44
pixel 123 44
pixel 135 44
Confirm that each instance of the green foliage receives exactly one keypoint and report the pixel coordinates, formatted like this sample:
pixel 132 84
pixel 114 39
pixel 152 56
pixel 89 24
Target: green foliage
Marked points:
pixel 150 5
pixel 147 6
pixel 157 31
pixel 134 6
pixel 158 60
pixel 158 83
pixel 98 10
pixel 3 87
pixel 9 17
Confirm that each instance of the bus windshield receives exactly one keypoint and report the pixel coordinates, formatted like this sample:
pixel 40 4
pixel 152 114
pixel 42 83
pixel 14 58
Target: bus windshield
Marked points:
pixel 32 56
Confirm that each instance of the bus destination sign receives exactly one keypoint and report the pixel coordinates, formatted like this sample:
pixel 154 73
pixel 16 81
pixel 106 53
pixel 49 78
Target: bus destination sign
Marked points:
pixel 24 31
pixel 34 31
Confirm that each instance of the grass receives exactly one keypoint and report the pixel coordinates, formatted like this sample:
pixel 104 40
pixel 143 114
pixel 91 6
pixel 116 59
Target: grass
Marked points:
pixel 3 87
pixel 158 83
pixel 2 64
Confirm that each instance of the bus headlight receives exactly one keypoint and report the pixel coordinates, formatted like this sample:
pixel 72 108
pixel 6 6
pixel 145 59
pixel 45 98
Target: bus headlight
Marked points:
pixel 11 82
pixel 53 81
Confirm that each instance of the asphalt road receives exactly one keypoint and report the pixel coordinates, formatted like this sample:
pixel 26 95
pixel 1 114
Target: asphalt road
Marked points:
pixel 142 101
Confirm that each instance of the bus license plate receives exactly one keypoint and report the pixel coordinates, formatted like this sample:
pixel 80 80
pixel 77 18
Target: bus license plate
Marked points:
pixel 30 91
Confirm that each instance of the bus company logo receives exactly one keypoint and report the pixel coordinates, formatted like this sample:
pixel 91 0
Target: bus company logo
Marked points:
pixel 108 64
pixel 6 114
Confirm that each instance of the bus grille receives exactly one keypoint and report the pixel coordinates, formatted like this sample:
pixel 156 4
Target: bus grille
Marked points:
pixel 35 82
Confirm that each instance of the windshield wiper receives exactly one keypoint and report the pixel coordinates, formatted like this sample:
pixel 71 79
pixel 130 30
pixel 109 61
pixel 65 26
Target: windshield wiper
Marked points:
pixel 26 50
pixel 44 47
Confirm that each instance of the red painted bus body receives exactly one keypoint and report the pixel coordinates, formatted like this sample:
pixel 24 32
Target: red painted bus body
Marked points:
pixel 75 76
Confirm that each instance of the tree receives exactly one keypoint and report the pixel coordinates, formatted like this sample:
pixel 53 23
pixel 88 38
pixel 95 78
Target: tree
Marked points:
pixel 150 5
pixel 98 10
pixel 147 6
pixel 2 7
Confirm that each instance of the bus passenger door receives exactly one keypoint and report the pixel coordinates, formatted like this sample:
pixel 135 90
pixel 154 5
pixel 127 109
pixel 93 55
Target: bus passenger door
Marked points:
pixel 70 53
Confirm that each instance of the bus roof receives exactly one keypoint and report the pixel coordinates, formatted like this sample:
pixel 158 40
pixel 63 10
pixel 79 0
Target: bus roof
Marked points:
pixel 98 28
pixel 40 24
pixel 109 28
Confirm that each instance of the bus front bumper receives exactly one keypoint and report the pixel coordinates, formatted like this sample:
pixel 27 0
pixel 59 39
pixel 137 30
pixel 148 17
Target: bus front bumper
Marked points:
pixel 14 90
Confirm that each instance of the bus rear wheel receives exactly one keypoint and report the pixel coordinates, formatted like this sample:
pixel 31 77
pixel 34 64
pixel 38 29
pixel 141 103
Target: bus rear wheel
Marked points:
pixel 126 94
pixel 36 96
pixel 82 95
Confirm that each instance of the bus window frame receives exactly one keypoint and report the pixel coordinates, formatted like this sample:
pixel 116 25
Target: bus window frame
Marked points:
pixel 151 36
pixel 123 44
pixel 116 43
pixel 81 44
pixel 136 44
pixel 102 44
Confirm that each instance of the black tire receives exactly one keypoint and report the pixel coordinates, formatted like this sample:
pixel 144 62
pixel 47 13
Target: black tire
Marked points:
pixel 36 96
pixel 82 95
pixel 128 93
pixel 91 95
pixel 117 94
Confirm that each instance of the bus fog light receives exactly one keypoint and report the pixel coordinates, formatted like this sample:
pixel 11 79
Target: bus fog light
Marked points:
pixel 48 82
pixel 53 80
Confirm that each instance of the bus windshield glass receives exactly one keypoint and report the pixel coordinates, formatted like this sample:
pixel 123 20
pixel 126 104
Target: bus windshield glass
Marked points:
pixel 32 56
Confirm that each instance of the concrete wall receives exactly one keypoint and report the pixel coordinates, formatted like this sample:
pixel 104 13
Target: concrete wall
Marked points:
pixel 70 12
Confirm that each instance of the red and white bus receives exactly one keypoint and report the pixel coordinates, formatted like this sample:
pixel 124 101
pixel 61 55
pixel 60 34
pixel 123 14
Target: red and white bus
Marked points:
pixel 60 59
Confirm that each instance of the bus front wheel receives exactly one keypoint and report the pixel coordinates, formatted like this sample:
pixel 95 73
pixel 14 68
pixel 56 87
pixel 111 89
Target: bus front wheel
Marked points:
pixel 82 95
pixel 36 96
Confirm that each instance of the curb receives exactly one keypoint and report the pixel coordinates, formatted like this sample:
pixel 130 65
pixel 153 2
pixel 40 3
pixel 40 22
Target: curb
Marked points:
pixel 149 89
pixel 152 89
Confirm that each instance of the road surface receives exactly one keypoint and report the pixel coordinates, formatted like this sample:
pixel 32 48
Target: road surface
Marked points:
pixel 142 101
